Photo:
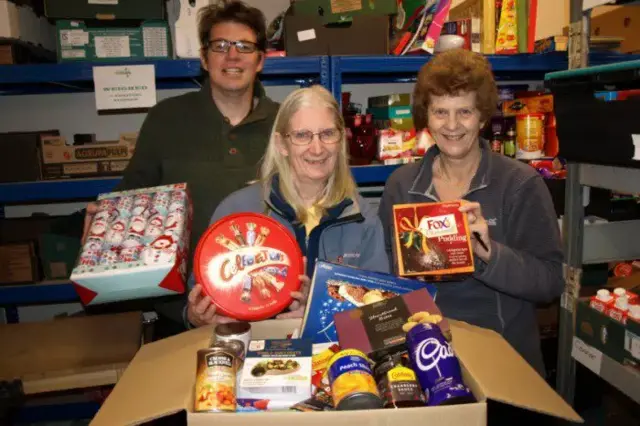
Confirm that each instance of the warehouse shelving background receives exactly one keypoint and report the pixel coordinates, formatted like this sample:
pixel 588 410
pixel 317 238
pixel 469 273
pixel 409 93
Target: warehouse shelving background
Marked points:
pixel 331 72
pixel 607 242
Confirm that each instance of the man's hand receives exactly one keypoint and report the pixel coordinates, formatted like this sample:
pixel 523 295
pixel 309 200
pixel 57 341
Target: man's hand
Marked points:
pixel 92 209
pixel 200 310
pixel 478 225
pixel 297 307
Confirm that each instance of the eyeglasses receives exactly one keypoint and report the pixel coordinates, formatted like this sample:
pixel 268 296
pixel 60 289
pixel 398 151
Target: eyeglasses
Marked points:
pixel 305 137
pixel 221 45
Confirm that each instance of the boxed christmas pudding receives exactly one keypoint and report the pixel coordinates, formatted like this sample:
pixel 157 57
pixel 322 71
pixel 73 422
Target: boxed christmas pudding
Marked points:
pixel 137 246
pixel 432 240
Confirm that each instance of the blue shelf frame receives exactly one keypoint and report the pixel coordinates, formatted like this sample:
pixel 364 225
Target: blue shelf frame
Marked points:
pixel 376 69
pixel 170 74
pixel 85 189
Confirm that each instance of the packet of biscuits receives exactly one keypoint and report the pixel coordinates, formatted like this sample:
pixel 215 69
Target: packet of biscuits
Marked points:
pixel 432 240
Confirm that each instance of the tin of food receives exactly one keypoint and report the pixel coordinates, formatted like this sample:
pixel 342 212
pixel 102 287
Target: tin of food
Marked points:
pixel 397 382
pixel 352 384
pixel 248 264
pixel 239 332
pixel 436 366
pixel 216 380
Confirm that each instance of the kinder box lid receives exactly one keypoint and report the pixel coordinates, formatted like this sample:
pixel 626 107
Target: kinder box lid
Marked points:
pixel 142 394
pixel 248 264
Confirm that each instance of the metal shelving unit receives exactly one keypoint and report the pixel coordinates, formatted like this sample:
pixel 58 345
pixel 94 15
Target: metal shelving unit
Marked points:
pixel 376 69
pixel 331 72
pixel 594 244
pixel 170 74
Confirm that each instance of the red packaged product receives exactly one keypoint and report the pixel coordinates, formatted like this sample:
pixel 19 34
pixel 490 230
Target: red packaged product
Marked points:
pixel 248 264
pixel 432 239
pixel 602 300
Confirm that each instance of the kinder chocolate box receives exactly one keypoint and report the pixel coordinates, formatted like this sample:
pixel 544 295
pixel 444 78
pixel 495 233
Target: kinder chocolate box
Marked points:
pixel 248 264
pixel 432 239
pixel 136 247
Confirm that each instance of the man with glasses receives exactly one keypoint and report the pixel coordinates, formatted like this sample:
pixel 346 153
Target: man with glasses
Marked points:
pixel 213 138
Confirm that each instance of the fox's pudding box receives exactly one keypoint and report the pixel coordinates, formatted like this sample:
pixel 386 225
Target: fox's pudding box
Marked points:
pixel 249 265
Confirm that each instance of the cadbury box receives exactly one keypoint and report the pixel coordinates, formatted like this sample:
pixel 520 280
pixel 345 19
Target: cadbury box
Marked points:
pixel 137 246
pixel 490 368
pixel 432 239
pixel 376 329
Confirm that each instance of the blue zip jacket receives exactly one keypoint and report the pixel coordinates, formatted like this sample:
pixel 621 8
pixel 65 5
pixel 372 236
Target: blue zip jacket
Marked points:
pixel 349 233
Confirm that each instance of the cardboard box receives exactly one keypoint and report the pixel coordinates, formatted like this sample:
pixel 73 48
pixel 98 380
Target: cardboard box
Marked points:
pixel 149 256
pixel 491 368
pixel 82 41
pixel 108 158
pixel 617 340
pixel 69 353
pixel 105 10
pixel 58 254
pixel 432 240
pixel 23 165
pixel 307 34
pixel 18 263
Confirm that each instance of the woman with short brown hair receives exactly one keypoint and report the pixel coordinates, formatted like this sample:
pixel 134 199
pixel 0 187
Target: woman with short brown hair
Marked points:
pixel 516 239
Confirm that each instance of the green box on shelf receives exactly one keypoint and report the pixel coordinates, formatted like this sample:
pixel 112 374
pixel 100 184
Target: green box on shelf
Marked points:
pixel 604 333
pixel 81 41
pixel 104 9
pixel 384 101
pixel 390 113
pixel 58 255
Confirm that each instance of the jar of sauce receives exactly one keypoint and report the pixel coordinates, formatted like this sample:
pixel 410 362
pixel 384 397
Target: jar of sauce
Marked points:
pixel 397 383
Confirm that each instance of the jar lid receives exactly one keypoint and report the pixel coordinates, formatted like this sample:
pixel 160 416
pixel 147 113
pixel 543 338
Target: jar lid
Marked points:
pixel 248 264
pixel 232 328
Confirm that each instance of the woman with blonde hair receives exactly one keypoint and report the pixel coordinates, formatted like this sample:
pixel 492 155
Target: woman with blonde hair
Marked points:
pixel 305 183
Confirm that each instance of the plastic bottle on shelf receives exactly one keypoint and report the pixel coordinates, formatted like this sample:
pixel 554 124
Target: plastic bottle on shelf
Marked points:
pixel 509 144
pixel 604 295
pixel 622 303
pixel 634 312
pixel 619 292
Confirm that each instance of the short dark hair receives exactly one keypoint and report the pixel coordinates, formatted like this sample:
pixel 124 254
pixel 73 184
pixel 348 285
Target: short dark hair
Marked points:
pixel 455 72
pixel 232 11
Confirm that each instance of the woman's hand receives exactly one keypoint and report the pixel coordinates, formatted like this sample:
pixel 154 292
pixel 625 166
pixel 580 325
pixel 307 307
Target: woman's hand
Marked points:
pixel 297 307
pixel 479 228
pixel 200 310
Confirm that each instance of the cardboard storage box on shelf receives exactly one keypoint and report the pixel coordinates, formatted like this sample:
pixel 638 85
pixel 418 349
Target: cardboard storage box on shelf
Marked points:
pixel 18 263
pixel 23 165
pixel 69 353
pixel 491 368
pixel 619 341
pixel 91 40
pixel 308 32
pixel 104 158
pixel 183 21
pixel 105 10
pixel 19 21
pixel 137 246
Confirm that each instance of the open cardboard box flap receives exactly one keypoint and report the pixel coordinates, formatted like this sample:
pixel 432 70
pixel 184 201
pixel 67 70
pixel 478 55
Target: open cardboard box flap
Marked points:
pixel 503 375
pixel 160 379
